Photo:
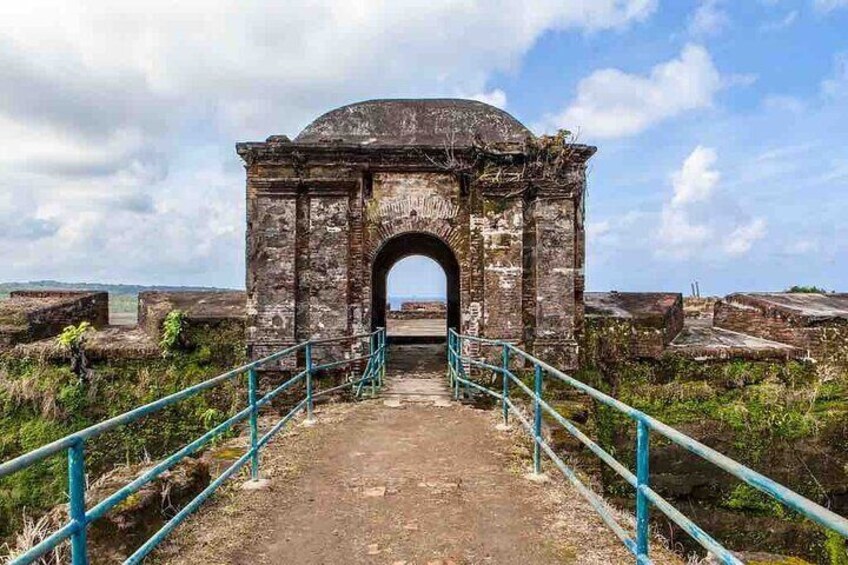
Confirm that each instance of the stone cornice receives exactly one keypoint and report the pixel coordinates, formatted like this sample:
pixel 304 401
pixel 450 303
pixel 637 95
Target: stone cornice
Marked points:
pixel 374 156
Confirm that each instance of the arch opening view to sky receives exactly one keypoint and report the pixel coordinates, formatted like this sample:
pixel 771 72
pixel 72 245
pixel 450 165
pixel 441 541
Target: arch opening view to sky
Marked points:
pixel 415 278
pixel 721 125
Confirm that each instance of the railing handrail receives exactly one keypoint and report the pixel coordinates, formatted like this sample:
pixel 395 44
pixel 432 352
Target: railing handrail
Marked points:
pixel 646 423
pixel 73 443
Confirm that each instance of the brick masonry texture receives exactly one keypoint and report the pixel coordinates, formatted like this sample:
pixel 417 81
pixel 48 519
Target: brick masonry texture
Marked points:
pixel 28 316
pixel 322 208
pixel 200 308
pixel 814 323
pixel 650 320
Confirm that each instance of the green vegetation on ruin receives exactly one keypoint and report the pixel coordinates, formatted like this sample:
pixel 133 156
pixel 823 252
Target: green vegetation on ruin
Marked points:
pixel 786 419
pixel 43 401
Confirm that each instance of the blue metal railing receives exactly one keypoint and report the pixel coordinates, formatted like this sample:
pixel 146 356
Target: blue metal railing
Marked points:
pixel 74 444
pixel 645 496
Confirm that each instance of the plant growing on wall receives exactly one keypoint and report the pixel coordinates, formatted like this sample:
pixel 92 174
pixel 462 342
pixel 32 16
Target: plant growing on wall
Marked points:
pixel 173 332
pixel 73 339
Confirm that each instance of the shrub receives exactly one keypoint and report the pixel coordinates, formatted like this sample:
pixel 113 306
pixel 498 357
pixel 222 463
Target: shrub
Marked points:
pixel 73 339
pixel 173 329
pixel 802 289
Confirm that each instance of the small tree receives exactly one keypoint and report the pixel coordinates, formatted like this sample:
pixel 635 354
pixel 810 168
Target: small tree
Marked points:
pixel 73 340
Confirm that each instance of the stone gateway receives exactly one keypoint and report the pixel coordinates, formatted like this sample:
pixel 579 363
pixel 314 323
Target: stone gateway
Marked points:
pixel 459 181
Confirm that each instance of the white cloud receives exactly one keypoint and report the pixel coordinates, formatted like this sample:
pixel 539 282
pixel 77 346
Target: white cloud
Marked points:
pixel 111 113
pixel 690 222
pixel 708 19
pixel 697 178
pixel 611 103
pixel 679 233
pixel 741 239
pixel 829 5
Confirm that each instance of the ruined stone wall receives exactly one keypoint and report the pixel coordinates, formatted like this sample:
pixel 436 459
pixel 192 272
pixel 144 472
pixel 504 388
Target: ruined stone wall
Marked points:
pixel 32 315
pixel 822 339
pixel 752 321
pixel 201 308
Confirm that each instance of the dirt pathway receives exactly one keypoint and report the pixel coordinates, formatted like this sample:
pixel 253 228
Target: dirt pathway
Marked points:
pixel 407 479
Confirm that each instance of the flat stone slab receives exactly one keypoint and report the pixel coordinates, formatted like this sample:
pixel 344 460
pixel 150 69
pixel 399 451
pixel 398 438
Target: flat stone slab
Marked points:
pixel 808 308
pixel 703 342
pixel 646 308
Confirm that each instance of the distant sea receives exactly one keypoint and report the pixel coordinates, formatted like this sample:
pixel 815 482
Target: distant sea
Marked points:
pixel 396 301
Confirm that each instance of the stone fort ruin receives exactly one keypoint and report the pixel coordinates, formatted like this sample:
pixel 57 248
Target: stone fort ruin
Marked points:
pixel 459 181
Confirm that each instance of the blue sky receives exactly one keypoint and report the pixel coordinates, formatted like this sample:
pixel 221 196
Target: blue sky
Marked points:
pixel 722 126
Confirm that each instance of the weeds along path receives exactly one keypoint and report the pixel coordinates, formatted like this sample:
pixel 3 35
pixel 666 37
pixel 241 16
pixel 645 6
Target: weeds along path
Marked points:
pixel 405 479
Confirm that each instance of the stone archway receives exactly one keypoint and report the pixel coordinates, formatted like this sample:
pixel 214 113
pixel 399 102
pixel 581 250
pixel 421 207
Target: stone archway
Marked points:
pixel 459 181
pixel 405 245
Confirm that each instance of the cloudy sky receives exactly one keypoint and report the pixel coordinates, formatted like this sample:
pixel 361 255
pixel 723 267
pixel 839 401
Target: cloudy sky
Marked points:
pixel 722 126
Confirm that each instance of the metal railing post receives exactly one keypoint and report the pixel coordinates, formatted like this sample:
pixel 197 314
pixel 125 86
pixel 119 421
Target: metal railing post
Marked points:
pixel 450 357
pixel 309 403
pixel 254 426
pixel 537 419
pixel 456 345
pixel 505 365
pixel 643 505
pixel 373 352
pixel 383 339
pixel 375 375
pixel 76 492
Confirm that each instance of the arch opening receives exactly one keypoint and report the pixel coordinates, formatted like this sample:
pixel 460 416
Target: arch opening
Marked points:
pixel 408 245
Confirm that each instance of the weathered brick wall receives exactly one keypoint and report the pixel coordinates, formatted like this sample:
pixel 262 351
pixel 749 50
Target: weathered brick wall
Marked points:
pixel 822 337
pixel 319 216
pixel 555 273
pixel 502 267
pixel 417 202
pixel 271 274
pixel 209 308
pixel 327 272
pixel 32 315
pixel 753 321
pixel 632 325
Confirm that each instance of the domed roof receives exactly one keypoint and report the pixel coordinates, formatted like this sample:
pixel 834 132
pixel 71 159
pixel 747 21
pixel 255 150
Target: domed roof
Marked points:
pixel 414 122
